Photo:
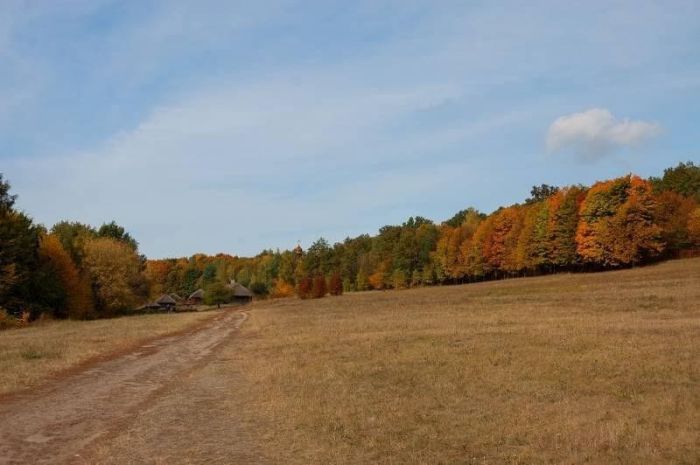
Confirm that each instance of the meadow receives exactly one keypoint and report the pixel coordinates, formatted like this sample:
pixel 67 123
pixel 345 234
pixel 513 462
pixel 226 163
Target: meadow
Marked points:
pixel 570 368
pixel 32 355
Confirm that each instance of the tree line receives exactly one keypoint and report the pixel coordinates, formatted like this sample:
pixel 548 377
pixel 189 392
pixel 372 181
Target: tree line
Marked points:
pixel 70 271
pixel 77 271
pixel 616 223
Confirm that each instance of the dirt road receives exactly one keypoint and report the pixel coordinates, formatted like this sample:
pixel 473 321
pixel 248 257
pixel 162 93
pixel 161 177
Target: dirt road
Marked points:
pixel 157 404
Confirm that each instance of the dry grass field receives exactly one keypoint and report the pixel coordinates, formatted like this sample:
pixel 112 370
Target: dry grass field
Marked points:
pixel 586 368
pixel 30 355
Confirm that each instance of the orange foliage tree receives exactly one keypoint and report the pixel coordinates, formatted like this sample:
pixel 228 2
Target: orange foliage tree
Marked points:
pixel 156 273
pixel 636 235
pixel 510 263
pixel 694 227
pixel 78 293
pixel 593 235
pixel 453 243
pixel 501 239
pixel 617 225
pixel 672 213
pixel 378 279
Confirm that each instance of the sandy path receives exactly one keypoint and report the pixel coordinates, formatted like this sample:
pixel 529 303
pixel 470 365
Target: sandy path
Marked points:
pixel 165 384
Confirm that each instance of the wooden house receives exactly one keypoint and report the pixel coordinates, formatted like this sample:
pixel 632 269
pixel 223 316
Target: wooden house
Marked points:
pixel 166 301
pixel 240 293
pixel 197 297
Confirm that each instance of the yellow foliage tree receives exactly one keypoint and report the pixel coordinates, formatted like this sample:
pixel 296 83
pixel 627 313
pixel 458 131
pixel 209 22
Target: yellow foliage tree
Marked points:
pixel 115 270
pixel 475 251
pixel 525 254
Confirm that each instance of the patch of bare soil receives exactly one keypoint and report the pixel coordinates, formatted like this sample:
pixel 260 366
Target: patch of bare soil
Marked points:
pixel 158 404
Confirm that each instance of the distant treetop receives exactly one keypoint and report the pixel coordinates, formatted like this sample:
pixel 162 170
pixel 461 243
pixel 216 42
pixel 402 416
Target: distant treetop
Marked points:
pixel 684 179
pixel 541 192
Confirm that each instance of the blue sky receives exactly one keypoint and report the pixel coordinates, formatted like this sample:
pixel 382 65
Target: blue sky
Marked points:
pixel 224 126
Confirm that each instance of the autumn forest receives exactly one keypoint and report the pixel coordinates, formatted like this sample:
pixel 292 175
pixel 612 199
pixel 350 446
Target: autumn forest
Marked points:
pixel 78 271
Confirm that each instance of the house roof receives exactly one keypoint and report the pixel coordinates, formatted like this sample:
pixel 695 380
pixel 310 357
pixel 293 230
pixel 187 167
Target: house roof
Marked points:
pixel 165 299
pixel 198 294
pixel 240 290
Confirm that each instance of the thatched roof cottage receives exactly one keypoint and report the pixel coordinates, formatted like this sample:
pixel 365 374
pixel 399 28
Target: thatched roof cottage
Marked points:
pixel 240 292
pixel 166 301
pixel 197 296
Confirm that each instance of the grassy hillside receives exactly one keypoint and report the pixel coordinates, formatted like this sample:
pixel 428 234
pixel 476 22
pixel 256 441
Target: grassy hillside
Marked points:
pixel 586 368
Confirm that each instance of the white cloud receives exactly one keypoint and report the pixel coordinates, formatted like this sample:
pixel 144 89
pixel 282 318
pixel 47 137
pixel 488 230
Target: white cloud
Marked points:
pixel 596 132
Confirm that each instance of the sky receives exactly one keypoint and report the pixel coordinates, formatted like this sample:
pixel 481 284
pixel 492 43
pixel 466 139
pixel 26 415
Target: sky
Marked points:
pixel 236 126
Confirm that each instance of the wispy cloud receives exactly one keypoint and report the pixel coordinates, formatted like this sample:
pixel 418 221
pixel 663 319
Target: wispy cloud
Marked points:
pixel 311 118
pixel 595 133
pixel 269 149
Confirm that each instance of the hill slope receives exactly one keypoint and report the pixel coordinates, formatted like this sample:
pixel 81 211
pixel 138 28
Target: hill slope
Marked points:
pixel 584 368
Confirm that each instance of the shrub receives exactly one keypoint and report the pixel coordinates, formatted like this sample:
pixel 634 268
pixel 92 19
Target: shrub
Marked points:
pixel 282 289
pixel 319 288
pixel 304 287
pixel 335 286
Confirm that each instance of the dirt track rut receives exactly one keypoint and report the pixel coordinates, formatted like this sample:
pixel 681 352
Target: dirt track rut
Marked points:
pixel 62 421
